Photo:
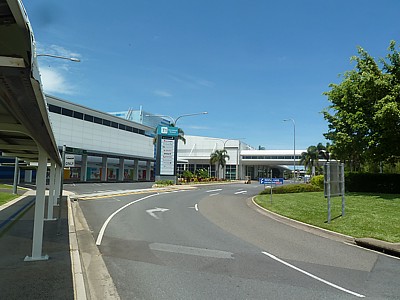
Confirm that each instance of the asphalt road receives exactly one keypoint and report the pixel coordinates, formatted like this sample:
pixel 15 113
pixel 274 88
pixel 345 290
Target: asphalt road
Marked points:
pixel 210 243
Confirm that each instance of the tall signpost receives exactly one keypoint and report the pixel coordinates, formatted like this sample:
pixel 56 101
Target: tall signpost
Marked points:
pixel 167 153
pixel 334 184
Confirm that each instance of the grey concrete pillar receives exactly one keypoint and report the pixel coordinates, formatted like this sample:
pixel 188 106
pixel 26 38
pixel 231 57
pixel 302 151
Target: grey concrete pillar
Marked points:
pixel 28 176
pixel 84 167
pixel 104 169
pixel 121 169
pixel 135 170
pixel 148 170
pixel 37 240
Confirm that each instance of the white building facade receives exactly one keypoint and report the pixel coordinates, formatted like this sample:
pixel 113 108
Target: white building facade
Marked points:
pixel 105 147
pixel 111 148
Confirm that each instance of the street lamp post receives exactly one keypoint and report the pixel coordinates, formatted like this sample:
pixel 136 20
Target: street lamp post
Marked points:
pixel 174 121
pixel 237 158
pixel 294 147
pixel 60 57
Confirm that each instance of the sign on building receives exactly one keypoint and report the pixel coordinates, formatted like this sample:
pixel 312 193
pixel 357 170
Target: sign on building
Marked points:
pixel 69 161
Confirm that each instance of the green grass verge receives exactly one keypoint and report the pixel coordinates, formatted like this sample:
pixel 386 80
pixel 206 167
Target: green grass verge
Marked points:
pixel 366 215
pixel 6 197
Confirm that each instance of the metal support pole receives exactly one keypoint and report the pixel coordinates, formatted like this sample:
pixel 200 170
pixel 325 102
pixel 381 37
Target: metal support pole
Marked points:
pixel 50 199
pixel 59 174
pixel 61 190
pixel 328 190
pixel 39 209
pixel 16 171
pixel 341 174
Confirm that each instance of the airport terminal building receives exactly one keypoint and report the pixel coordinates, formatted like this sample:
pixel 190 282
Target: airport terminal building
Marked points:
pixel 114 147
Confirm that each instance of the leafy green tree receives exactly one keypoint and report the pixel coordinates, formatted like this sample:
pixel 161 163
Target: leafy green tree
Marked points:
pixel 219 158
pixel 310 158
pixel 324 152
pixel 364 115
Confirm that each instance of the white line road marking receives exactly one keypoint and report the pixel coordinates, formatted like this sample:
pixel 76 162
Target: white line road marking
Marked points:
pixel 313 276
pixel 190 250
pixel 196 207
pixel 152 211
pixel 216 190
pixel 103 228
pixel 241 192
pixel 214 194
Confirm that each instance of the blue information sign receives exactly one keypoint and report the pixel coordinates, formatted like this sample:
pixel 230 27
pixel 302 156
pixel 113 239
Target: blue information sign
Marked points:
pixel 167 131
pixel 271 180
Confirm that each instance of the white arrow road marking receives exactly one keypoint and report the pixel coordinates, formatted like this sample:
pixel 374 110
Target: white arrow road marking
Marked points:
pixel 241 192
pixel 103 228
pixel 313 276
pixel 152 211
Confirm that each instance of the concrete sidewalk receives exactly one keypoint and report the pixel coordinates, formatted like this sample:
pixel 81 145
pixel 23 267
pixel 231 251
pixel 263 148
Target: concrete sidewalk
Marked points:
pixel 50 279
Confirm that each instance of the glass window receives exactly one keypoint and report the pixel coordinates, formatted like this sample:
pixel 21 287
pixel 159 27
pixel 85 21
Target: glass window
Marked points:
pixel 106 123
pixel 121 126
pixel 114 124
pixel 54 109
pixel 78 115
pixel 89 118
pixel 67 112
pixel 98 120
pixel 128 128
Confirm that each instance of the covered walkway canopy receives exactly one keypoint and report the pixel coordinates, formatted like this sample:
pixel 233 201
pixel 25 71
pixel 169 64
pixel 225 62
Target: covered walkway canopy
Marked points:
pixel 25 129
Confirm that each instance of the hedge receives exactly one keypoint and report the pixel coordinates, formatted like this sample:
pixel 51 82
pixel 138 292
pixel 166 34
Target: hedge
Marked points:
pixel 372 183
pixel 292 188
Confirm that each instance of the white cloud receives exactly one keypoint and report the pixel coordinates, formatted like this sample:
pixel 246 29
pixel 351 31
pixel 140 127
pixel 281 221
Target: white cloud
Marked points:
pixel 55 72
pixel 161 93
pixel 191 81
pixel 54 82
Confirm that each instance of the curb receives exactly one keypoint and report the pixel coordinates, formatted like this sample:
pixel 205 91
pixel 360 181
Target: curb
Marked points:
pixel 77 271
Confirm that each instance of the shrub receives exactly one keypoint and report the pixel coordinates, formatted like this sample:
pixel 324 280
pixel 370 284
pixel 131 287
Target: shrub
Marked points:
pixel 164 182
pixel 292 188
pixel 187 175
pixel 372 183
pixel 318 181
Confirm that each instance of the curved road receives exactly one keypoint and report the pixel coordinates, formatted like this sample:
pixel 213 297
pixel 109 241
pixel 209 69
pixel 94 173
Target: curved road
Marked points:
pixel 211 243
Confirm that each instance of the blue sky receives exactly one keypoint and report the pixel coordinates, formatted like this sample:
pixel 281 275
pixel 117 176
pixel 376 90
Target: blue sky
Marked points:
pixel 249 64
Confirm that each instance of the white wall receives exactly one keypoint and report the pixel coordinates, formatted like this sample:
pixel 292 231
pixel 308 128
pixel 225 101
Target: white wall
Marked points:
pixel 91 136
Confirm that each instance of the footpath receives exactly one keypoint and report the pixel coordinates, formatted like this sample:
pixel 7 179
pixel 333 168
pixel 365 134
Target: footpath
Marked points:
pixel 49 279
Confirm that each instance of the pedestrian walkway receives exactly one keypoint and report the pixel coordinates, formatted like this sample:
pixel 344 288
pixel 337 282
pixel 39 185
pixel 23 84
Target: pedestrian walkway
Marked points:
pixel 49 279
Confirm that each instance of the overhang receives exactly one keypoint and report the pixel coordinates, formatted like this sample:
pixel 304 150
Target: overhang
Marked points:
pixel 24 120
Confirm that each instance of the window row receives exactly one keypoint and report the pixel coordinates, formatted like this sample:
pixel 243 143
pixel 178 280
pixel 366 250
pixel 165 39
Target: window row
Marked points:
pixel 89 118
pixel 271 157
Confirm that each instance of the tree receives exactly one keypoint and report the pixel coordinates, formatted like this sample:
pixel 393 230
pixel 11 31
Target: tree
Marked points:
pixel 324 152
pixel 364 117
pixel 310 158
pixel 219 158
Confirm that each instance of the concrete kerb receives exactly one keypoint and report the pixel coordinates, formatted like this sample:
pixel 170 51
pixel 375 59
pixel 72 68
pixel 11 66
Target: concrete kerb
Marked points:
pixel 370 243
pixel 77 271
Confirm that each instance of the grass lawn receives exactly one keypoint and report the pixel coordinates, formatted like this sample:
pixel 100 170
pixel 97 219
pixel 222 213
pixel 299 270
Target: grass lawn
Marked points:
pixel 5 197
pixel 366 215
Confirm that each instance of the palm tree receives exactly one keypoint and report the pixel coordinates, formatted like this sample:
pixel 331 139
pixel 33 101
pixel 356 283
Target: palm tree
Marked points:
pixel 219 158
pixel 324 151
pixel 310 158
